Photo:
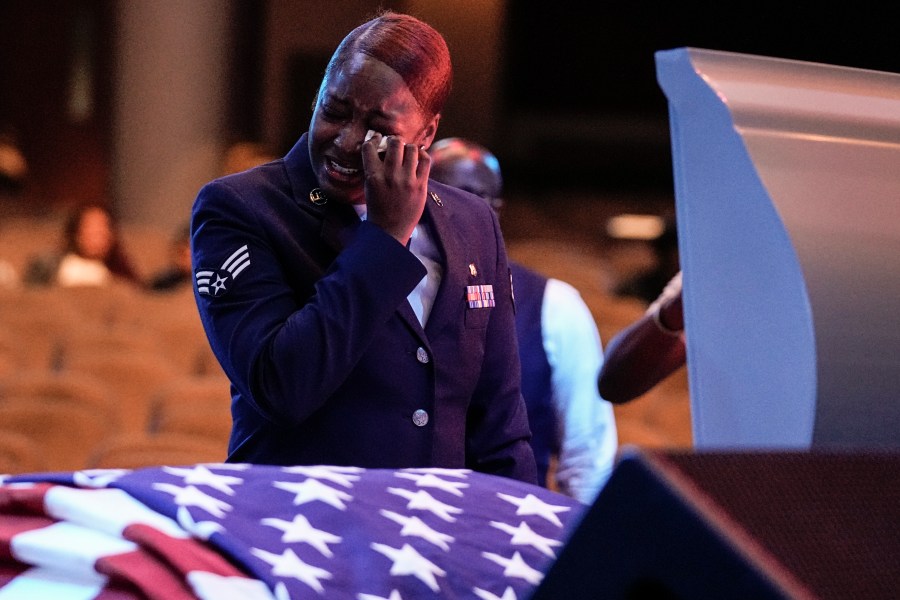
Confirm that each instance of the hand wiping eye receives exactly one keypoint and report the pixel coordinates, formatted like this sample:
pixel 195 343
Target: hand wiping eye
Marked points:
pixel 382 145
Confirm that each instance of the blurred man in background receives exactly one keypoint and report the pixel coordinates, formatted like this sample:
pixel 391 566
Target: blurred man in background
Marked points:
pixel 559 348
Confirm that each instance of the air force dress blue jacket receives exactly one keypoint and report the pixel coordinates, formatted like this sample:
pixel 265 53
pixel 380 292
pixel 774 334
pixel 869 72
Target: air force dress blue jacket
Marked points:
pixel 305 307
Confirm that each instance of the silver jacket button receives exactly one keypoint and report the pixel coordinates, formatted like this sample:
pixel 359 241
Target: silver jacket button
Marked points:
pixel 420 418
pixel 422 355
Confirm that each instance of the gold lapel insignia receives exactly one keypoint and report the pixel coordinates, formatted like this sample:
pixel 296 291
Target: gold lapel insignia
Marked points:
pixel 318 197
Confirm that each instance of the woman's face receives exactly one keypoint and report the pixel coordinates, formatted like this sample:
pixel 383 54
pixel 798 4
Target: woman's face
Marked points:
pixel 94 237
pixel 363 94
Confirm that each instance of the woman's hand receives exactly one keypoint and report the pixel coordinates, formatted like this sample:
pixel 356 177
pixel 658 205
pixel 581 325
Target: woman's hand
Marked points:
pixel 397 186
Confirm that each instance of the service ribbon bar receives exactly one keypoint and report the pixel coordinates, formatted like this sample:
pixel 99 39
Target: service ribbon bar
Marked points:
pixel 480 296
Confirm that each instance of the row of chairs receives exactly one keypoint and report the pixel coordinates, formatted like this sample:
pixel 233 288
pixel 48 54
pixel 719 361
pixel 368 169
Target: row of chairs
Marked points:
pixel 47 328
pixel 107 377
pixel 75 422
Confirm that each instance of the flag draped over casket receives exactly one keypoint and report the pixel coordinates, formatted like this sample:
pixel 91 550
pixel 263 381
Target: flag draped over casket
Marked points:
pixel 215 531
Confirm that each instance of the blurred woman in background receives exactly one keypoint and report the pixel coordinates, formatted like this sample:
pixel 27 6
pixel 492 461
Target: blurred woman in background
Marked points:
pixel 91 253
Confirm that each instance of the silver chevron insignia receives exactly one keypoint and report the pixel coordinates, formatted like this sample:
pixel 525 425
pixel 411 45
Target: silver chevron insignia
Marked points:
pixel 215 282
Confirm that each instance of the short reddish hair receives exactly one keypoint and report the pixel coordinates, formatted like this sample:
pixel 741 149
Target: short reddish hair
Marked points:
pixel 410 47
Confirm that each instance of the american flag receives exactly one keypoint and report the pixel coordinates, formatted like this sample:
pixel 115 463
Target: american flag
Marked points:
pixel 220 531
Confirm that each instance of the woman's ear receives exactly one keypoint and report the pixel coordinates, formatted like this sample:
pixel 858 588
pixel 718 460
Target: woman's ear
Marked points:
pixel 430 131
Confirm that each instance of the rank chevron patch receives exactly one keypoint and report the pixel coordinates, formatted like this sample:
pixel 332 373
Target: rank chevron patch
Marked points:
pixel 216 282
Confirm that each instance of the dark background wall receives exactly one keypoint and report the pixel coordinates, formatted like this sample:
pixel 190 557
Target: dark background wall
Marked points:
pixel 587 69
pixel 60 120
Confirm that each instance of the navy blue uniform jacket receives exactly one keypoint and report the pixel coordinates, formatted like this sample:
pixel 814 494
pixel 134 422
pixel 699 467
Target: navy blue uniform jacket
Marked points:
pixel 305 307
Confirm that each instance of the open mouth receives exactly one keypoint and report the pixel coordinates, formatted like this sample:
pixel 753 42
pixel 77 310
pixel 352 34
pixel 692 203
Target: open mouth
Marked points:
pixel 341 173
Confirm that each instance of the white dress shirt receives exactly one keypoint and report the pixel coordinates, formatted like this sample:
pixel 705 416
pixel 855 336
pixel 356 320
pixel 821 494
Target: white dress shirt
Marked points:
pixel 422 245
pixel 574 351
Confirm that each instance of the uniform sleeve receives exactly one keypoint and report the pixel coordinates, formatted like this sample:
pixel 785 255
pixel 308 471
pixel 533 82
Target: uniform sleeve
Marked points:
pixel 287 331
pixel 588 434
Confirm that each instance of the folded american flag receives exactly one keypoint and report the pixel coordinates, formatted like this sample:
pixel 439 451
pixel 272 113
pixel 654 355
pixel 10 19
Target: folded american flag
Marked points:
pixel 215 531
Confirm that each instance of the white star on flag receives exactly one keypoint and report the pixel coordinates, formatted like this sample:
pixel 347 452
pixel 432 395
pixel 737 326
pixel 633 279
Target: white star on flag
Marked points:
pixel 422 500
pixel 395 595
pixel 430 480
pixel 414 526
pixel 312 490
pixel 200 529
pixel 344 476
pixel 300 530
pixel 407 561
pixel 288 564
pixel 532 505
pixel 200 475
pixel 229 466
pixel 461 473
pixel 523 535
pixel 191 496
pixel 508 594
pixel 97 478
pixel 516 567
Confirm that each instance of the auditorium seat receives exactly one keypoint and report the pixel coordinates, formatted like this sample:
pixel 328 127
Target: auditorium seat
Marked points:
pixel 10 357
pixel 20 454
pixel 91 339
pixel 199 406
pixel 101 306
pixel 41 386
pixel 131 378
pixel 138 449
pixel 38 322
pixel 65 433
pixel 182 337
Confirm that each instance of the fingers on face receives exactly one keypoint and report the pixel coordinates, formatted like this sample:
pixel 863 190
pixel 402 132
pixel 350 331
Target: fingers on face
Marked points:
pixel 423 168
pixel 392 150
pixel 371 146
